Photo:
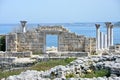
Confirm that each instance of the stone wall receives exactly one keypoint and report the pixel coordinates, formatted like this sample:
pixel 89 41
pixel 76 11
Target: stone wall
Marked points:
pixel 68 54
pixel 11 42
pixel 16 54
pixel 90 45
pixel 35 40
pixel 71 42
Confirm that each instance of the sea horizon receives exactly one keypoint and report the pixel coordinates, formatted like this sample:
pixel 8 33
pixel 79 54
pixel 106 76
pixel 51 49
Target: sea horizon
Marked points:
pixel 86 29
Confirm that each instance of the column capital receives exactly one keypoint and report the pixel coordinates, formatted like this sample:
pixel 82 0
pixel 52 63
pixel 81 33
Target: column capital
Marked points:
pixel 23 23
pixel 97 26
pixel 108 24
pixel 111 26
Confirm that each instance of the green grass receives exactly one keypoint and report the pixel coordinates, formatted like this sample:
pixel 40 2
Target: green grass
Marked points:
pixel 8 73
pixel 39 66
pixel 98 73
pixel 51 63
pixel 71 75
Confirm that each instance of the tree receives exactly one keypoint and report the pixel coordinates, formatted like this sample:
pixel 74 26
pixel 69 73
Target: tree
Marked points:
pixel 2 43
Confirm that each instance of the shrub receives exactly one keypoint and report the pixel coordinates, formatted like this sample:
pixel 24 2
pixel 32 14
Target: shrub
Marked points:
pixel 97 73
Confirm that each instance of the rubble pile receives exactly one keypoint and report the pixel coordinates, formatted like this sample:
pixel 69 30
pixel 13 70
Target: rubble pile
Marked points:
pixel 77 68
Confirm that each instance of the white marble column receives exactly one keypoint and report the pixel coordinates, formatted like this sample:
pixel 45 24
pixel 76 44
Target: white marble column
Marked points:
pixel 23 24
pixel 101 40
pixel 108 33
pixel 58 42
pixel 105 41
pixel 111 35
pixel 97 36
pixel 6 42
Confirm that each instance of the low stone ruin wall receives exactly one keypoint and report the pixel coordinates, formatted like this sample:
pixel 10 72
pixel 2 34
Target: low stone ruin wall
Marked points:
pixel 7 59
pixel 15 54
pixel 68 54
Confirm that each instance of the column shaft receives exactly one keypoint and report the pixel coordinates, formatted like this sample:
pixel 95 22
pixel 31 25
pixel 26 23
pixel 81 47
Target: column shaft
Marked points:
pixel 108 36
pixel 97 36
pixel 105 41
pixel 15 41
pixel 108 33
pixel 101 40
pixel 111 35
pixel 6 38
pixel 44 43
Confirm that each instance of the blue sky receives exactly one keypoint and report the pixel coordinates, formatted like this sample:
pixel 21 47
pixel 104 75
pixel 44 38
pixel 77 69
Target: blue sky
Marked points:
pixel 59 11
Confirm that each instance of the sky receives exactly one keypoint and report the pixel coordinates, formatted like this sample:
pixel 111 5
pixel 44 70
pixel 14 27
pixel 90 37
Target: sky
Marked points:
pixel 59 11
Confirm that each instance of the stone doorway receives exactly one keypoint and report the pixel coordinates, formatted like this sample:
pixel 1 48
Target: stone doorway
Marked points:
pixel 51 43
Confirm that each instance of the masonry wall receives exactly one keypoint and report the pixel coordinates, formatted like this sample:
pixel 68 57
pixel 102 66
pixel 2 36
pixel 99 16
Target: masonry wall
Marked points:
pixel 71 42
pixel 35 40
pixel 90 45
pixel 31 41
pixel 11 42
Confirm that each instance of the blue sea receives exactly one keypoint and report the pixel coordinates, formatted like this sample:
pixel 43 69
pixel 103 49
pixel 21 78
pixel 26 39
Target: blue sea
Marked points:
pixel 87 29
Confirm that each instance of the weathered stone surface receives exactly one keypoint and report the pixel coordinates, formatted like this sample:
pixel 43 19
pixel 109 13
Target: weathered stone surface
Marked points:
pixel 81 65
pixel 118 60
pixel 34 40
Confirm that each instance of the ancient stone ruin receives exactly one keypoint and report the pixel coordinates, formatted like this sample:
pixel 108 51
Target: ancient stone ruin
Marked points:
pixel 35 40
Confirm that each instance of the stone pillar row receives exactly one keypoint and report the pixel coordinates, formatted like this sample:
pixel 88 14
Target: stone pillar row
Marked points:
pixel 103 41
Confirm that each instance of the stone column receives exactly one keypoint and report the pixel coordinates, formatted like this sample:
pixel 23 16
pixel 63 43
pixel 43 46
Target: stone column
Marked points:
pixel 105 41
pixel 101 40
pixel 6 38
pixel 44 50
pixel 58 43
pixel 108 33
pixel 23 24
pixel 16 42
pixel 97 36
pixel 111 35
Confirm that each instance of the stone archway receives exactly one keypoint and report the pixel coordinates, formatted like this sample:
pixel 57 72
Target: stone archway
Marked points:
pixel 51 43
pixel 53 30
